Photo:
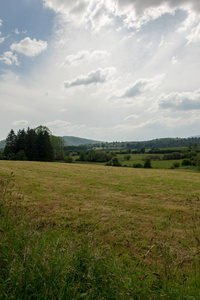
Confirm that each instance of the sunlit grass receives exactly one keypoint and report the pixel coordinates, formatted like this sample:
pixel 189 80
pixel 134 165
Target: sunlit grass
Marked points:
pixel 149 218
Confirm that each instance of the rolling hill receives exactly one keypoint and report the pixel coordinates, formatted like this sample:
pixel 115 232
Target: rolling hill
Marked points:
pixel 75 141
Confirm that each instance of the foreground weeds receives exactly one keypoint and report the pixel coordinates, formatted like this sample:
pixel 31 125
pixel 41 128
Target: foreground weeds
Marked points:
pixel 49 260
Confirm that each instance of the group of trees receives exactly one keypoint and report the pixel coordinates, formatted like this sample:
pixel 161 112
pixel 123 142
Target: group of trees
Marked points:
pixel 155 144
pixel 94 156
pixel 34 145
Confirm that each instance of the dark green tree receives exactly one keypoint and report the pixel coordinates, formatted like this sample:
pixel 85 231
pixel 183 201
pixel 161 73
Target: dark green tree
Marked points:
pixel 82 156
pixel 114 162
pixel 147 162
pixel 11 145
pixel 91 155
pixel 31 145
pixel 142 150
pixel 58 146
pixel 44 147
pixel 21 141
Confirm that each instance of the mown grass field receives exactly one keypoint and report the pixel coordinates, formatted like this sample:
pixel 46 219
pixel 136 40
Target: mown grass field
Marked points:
pixel 148 219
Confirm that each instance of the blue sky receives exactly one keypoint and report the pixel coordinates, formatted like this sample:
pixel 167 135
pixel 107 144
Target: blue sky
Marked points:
pixel 111 70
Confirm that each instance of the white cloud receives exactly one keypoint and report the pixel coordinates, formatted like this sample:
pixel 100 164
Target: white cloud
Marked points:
pixel 180 101
pixel 72 10
pixel 61 128
pixel 194 35
pixel 29 47
pixel 100 14
pixel 150 13
pixel 16 31
pixel 85 55
pixel 1 22
pixel 141 6
pixel 133 13
pixel 2 39
pixel 9 58
pixel 97 76
pixel 141 86
pixel 174 60
pixel 131 117
pixel 20 123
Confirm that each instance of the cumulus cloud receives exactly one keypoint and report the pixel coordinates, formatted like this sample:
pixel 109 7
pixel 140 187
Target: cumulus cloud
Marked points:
pixel 9 58
pixel 29 47
pixel 133 13
pixel 97 76
pixel 140 86
pixel 180 101
pixel 85 55
pixel 141 6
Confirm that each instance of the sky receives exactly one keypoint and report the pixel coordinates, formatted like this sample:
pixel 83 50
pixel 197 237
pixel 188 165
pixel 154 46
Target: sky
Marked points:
pixel 108 70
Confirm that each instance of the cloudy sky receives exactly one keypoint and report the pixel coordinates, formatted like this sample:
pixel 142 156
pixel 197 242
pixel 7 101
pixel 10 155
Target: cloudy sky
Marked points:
pixel 110 70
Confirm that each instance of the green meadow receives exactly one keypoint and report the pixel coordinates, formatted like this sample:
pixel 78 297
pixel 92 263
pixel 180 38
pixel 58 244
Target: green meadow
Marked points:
pixel 139 159
pixel 76 231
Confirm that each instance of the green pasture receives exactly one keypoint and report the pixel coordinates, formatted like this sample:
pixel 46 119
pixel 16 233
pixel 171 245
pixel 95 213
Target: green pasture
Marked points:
pixel 82 231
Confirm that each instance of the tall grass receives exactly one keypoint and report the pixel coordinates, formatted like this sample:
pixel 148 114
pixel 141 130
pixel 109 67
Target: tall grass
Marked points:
pixel 44 260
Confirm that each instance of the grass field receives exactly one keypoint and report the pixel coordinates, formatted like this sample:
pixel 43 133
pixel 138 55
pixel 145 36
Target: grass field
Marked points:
pixel 139 159
pixel 148 220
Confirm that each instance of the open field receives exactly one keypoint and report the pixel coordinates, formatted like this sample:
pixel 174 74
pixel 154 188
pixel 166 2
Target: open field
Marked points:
pixel 144 217
pixel 139 159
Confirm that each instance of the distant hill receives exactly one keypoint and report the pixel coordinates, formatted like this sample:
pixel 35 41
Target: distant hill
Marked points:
pixel 195 136
pixel 75 141
pixel 157 143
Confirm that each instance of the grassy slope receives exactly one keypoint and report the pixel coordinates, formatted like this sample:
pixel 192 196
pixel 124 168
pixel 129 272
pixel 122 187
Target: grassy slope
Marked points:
pixel 134 205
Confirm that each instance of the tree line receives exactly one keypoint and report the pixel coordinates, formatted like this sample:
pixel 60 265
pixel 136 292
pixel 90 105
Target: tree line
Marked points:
pixel 33 144
pixel 154 144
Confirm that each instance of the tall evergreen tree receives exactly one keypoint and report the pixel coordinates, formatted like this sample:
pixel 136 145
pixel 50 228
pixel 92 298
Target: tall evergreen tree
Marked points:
pixel 11 145
pixel 44 147
pixel 31 145
pixel 21 141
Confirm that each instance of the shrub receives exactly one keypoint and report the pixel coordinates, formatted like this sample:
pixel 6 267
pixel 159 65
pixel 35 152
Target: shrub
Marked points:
pixel 2 157
pixel 137 165
pixel 186 162
pixel 68 159
pixel 176 165
pixel 127 157
pixel 113 154
pixel 147 162
pixel 114 162
pixel 197 160
pixel 21 155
